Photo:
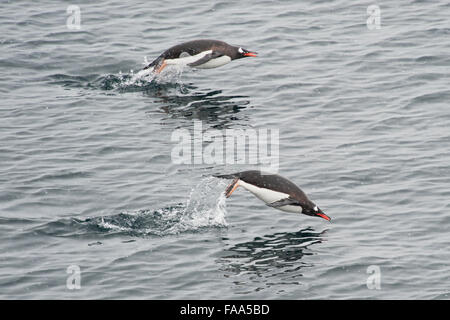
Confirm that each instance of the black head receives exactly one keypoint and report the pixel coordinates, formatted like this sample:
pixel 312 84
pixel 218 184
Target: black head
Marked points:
pixel 311 209
pixel 242 53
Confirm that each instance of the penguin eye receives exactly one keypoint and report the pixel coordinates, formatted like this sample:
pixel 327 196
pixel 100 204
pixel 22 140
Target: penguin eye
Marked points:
pixel 241 50
pixel 316 209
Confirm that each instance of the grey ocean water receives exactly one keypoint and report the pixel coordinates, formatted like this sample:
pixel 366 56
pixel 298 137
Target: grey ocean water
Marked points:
pixel 87 180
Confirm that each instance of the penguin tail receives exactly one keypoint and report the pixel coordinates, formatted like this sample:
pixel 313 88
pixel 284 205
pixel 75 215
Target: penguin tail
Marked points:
pixel 149 66
pixel 158 64
pixel 225 176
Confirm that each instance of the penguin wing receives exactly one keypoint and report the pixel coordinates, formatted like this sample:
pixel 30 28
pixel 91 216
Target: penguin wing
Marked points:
pixel 184 54
pixel 206 58
pixel 283 202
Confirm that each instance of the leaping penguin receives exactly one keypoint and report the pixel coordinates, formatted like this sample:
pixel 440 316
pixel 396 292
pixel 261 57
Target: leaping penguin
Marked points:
pixel 202 54
pixel 275 190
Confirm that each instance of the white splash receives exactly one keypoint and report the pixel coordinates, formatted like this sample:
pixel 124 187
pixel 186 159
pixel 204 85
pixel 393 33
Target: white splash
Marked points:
pixel 111 226
pixel 143 77
pixel 140 77
pixel 206 205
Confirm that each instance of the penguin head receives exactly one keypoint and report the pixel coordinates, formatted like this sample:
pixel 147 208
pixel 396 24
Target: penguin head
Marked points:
pixel 311 209
pixel 242 53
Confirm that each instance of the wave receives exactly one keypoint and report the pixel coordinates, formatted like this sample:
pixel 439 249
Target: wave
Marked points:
pixel 131 81
pixel 204 209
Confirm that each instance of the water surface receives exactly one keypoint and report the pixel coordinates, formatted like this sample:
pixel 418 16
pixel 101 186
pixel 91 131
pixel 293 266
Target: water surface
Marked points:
pixel 87 177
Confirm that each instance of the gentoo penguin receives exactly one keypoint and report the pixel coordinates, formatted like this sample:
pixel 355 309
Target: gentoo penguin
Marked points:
pixel 202 54
pixel 275 191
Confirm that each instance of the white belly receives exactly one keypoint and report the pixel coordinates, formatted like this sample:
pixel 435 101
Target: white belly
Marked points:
pixel 187 59
pixel 214 63
pixel 269 196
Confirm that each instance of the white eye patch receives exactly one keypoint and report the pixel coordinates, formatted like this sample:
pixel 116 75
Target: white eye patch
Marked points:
pixel 316 209
pixel 240 50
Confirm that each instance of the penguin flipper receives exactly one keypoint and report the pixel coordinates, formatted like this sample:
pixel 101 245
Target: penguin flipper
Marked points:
pixel 283 202
pixel 206 58
pixel 184 54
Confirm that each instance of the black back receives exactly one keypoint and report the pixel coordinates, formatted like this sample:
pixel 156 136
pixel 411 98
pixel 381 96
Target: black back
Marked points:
pixel 271 181
pixel 195 47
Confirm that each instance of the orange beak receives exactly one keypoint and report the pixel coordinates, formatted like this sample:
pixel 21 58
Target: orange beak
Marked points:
pixel 250 54
pixel 324 216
